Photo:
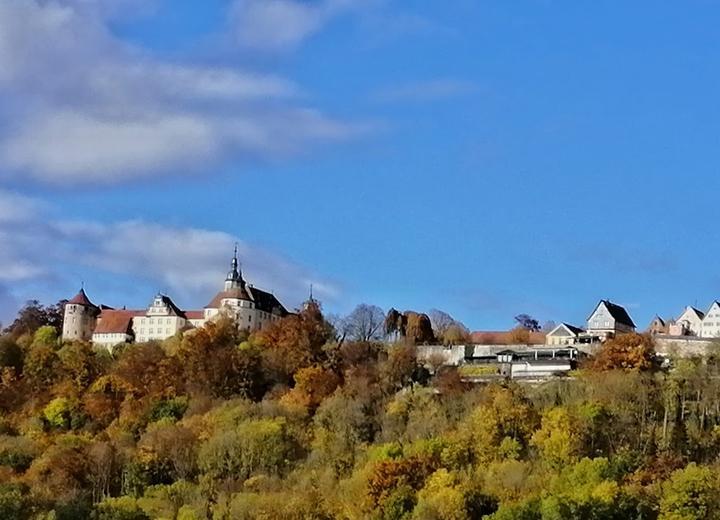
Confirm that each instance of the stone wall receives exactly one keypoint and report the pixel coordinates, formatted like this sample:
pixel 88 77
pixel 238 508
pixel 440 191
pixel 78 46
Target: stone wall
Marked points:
pixel 685 346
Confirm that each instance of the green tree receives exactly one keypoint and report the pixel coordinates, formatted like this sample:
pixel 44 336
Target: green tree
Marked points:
pixel 121 508
pixel 691 493
pixel 46 336
pixel 14 503
pixel 34 315
pixel 560 439
pixel 256 445
pixel 442 498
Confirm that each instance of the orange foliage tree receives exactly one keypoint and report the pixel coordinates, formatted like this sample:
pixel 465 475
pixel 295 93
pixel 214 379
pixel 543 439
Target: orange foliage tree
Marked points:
pixel 294 342
pixel 312 385
pixel 626 352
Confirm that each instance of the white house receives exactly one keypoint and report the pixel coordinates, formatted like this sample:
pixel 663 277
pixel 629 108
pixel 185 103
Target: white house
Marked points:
pixel 689 323
pixel 114 327
pixel 608 320
pixel 711 322
pixel 163 319
pixel 564 334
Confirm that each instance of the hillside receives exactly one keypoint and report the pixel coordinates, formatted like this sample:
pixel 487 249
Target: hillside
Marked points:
pixel 289 423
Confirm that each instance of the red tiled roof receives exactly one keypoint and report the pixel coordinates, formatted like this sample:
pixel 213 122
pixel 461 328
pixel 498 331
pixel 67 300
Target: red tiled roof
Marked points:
pixel 81 299
pixel 503 337
pixel 238 293
pixel 116 322
pixel 194 315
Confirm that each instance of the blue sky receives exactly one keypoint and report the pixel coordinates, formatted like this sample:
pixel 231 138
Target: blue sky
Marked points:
pixel 482 157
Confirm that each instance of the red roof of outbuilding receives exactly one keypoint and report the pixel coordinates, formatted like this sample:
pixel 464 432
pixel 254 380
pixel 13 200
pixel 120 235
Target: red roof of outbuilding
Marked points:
pixel 503 337
pixel 116 322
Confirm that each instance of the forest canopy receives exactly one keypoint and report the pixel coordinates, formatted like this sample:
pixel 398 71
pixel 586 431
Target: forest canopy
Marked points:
pixel 315 418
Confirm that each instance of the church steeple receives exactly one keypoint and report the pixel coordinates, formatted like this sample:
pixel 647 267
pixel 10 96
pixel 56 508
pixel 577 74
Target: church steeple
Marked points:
pixel 234 278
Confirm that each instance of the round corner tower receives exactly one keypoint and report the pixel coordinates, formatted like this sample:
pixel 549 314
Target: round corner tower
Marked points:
pixel 80 318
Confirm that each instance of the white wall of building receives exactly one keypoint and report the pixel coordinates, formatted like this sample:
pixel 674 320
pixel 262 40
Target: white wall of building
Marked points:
pixel 711 323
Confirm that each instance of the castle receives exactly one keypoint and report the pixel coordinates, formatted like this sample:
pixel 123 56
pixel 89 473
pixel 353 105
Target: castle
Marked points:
pixel 106 327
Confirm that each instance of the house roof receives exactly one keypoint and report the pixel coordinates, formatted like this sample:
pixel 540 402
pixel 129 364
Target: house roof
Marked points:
pixel 700 314
pixel 194 315
pixel 236 293
pixel 570 328
pixel 266 301
pixel 616 311
pixel 174 309
pixel 81 299
pixel 715 302
pixel 263 300
pixel 659 320
pixel 116 322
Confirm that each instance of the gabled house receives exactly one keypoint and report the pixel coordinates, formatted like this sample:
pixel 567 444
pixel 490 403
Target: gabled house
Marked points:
pixel 658 326
pixel 689 323
pixel 711 322
pixel 609 319
pixel 114 327
pixel 161 320
pixel 564 334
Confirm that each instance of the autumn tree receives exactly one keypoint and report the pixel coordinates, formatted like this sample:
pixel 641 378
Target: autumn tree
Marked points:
pixel 11 355
pixel 626 352
pixel 691 493
pixel 560 439
pixel 312 385
pixel 418 328
pixel 294 342
pixel 401 368
pixel 395 324
pixel 254 446
pixel 212 362
pixel 35 315
pixel 519 336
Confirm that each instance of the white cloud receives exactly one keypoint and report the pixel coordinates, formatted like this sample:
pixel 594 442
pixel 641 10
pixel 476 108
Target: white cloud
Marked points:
pixel 17 208
pixel 73 146
pixel 189 263
pixel 82 106
pixel 278 25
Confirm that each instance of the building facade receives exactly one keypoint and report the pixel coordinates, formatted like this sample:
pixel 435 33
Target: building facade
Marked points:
pixel 80 318
pixel 608 320
pixel 564 334
pixel 689 323
pixel 249 307
pixel 711 322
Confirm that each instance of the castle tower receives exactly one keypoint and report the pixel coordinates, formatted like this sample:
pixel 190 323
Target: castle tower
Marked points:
pixel 80 318
pixel 234 279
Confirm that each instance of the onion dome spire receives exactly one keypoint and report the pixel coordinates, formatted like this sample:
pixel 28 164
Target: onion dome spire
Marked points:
pixel 234 278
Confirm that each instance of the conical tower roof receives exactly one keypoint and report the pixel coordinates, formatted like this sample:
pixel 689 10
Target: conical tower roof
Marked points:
pixel 81 299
